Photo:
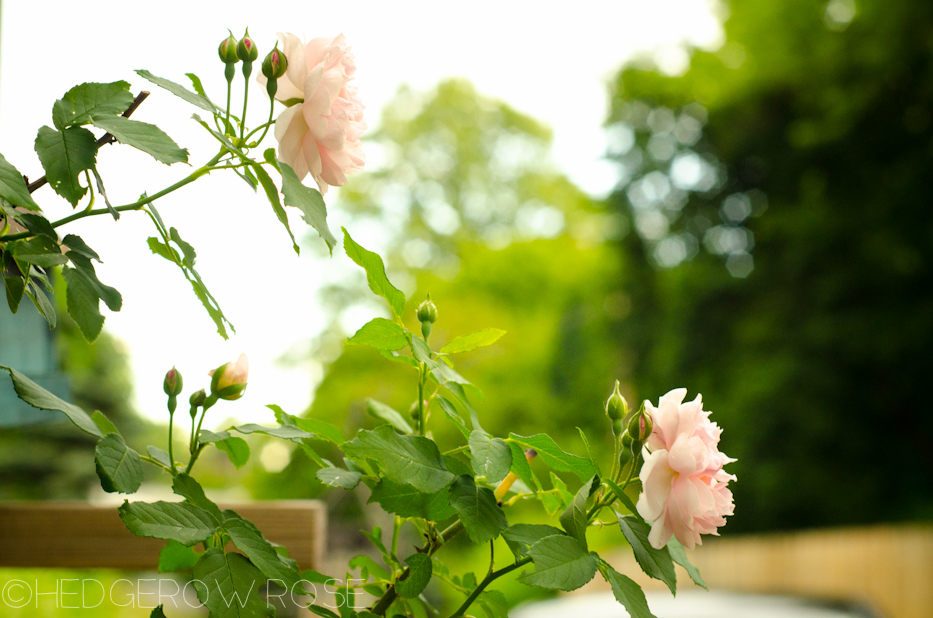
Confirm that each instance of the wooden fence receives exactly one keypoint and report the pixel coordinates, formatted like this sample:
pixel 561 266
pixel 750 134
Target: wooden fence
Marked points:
pixel 888 568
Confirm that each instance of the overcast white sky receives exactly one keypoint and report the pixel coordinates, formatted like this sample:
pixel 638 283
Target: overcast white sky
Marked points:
pixel 551 63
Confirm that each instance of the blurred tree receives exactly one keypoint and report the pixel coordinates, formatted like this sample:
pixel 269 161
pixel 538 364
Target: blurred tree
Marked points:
pixel 464 203
pixel 813 343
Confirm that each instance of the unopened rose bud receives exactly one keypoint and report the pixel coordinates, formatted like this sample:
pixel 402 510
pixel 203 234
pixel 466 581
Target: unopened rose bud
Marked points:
pixel 640 426
pixel 616 406
pixel 229 380
pixel 246 49
pixel 172 385
pixel 427 315
pixel 197 400
pixel 227 50
pixel 275 64
pixel 626 440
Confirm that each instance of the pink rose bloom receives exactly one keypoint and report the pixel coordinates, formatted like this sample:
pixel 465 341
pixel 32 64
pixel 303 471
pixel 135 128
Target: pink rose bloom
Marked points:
pixel 320 134
pixel 684 486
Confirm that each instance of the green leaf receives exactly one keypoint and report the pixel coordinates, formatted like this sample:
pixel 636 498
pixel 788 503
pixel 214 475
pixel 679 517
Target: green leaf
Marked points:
pixel 179 91
pixel 407 459
pixel 623 498
pixel 309 201
pixel 679 555
pixel 41 301
pixel 36 224
pixel 589 452
pixel 83 293
pixel 15 286
pixel 183 522
pixel 196 84
pixel 482 517
pixel 237 450
pixel 226 584
pixel 76 245
pixel 389 415
pixel 38 397
pixel 39 250
pixel 13 188
pixel 494 604
pixel 480 338
pixel 554 456
pixel 574 519
pixel 452 414
pixel 64 156
pixel 375 274
pixel 118 466
pixel 157 613
pixel 655 563
pixel 421 351
pixel 521 467
pixel 286 432
pixel 520 537
pixel 338 477
pixel 626 592
pixel 103 422
pixel 381 334
pixel 406 501
pixel 159 455
pixel 189 489
pixel 420 570
pixel 492 458
pixel 76 107
pixel 561 563
pixel 272 194
pixel 250 541
pixel 190 255
pixel 143 136
pixel 176 557
pixel 319 429
pixel 457 466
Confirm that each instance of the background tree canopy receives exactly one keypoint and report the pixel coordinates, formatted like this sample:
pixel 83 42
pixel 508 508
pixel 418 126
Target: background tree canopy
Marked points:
pixel 813 353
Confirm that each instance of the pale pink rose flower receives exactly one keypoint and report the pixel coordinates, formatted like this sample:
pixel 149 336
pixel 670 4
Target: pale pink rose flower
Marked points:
pixel 319 134
pixel 684 486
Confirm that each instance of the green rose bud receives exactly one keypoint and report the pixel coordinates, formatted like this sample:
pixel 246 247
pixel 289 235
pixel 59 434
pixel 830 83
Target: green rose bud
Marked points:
pixel 616 406
pixel 172 384
pixel 227 50
pixel 197 398
pixel 246 49
pixel 427 315
pixel 626 440
pixel 275 64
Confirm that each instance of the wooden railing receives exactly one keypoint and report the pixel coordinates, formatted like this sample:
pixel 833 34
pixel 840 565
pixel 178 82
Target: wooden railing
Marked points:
pixel 888 568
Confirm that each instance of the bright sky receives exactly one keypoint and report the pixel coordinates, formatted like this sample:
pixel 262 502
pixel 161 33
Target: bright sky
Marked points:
pixel 552 64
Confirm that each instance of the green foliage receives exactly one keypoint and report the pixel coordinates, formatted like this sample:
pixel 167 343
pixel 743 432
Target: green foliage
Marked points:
pixel 176 557
pixel 655 563
pixel 626 592
pixel 227 582
pixel 65 155
pixel 338 477
pixel 13 187
pixel 491 457
pixel 375 274
pixel 179 521
pixel 575 518
pixel 38 397
pixel 381 334
pixel 419 574
pixel 406 501
pixel 180 91
pixel 480 338
pixel 384 412
pixel 146 137
pixel 118 466
pixel 561 563
pixel 679 555
pixel 482 518
pixel 78 104
pixel 412 460
pixel 554 456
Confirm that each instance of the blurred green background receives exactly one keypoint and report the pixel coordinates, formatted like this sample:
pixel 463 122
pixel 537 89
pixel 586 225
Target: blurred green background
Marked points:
pixel 768 244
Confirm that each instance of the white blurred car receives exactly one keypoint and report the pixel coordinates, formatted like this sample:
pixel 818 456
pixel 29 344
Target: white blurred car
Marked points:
pixel 688 604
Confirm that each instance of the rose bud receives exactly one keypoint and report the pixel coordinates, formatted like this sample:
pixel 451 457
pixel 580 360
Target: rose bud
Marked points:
pixel 427 315
pixel 246 49
pixel 197 400
pixel 640 426
pixel 227 50
pixel 229 380
pixel 172 384
pixel 616 406
pixel 275 64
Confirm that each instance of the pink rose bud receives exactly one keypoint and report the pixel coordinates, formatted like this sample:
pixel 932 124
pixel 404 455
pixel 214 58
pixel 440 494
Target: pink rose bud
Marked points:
pixel 229 380
pixel 172 384
pixel 227 50
pixel 246 49
pixel 639 427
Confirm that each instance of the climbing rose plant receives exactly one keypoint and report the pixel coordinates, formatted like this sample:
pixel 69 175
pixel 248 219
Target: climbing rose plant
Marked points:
pixel 666 486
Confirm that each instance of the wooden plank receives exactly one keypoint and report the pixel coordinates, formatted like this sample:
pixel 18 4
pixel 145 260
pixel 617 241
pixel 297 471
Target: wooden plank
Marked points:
pixel 889 568
pixel 81 535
